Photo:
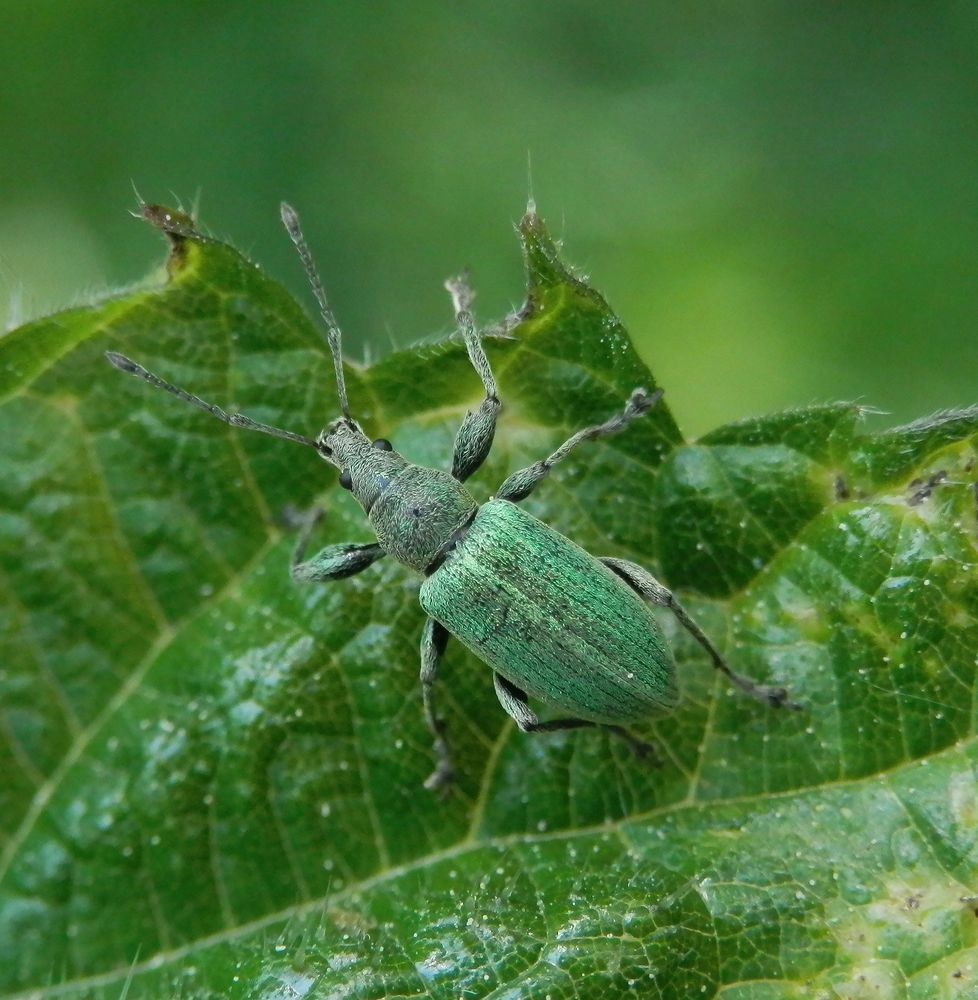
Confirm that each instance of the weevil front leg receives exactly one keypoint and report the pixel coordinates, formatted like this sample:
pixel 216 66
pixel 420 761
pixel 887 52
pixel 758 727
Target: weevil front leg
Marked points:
pixel 514 703
pixel 524 481
pixel 434 638
pixel 333 562
pixel 474 439
pixel 646 585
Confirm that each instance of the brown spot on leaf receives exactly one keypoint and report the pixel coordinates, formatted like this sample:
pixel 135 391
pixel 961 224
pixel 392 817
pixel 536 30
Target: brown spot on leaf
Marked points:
pixel 921 489
pixel 178 228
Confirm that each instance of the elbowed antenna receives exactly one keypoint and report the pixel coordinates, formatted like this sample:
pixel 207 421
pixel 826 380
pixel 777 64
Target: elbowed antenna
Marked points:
pixel 124 364
pixel 333 335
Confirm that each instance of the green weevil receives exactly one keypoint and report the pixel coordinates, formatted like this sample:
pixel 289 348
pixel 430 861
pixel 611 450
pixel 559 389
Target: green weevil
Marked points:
pixel 552 621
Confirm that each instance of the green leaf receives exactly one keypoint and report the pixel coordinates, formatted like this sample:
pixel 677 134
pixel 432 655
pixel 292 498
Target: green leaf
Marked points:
pixel 212 777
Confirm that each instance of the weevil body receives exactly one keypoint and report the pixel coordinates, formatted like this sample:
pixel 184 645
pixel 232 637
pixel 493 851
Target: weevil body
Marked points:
pixel 552 621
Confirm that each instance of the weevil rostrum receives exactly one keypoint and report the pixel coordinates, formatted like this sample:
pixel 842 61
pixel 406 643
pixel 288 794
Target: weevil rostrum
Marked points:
pixel 553 622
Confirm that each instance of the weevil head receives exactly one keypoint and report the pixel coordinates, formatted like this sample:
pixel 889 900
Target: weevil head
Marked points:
pixel 366 467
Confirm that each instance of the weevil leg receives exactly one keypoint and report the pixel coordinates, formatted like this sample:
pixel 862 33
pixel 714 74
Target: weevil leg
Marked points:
pixel 523 482
pixel 474 439
pixel 515 705
pixel 646 585
pixel 333 562
pixel 434 638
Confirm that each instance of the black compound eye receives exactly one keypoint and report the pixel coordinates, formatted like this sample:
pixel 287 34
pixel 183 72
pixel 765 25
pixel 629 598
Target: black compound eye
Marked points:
pixel 382 444
pixel 346 480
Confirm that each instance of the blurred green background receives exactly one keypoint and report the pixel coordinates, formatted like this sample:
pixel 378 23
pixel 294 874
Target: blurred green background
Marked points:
pixel 778 198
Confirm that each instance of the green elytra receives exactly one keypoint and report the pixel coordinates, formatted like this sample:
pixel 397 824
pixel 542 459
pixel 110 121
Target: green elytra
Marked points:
pixel 552 621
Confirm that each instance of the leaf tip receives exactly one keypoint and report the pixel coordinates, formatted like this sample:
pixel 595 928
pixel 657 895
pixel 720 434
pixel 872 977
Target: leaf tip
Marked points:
pixel 543 264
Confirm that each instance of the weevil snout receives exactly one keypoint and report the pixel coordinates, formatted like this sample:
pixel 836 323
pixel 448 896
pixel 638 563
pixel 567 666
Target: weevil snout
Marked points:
pixel 366 467
pixel 341 439
pixel 321 446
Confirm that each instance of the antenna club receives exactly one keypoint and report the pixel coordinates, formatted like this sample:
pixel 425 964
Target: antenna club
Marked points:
pixel 290 218
pixel 122 362
pixel 461 293
pixel 333 337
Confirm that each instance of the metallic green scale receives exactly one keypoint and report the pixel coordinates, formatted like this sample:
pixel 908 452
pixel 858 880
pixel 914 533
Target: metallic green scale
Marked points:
pixel 551 619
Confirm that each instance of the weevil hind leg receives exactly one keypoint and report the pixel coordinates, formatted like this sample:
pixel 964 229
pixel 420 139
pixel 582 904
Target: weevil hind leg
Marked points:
pixel 434 638
pixel 515 705
pixel 474 439
pixel 334 562
pixel 523 482
pixel 646 586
